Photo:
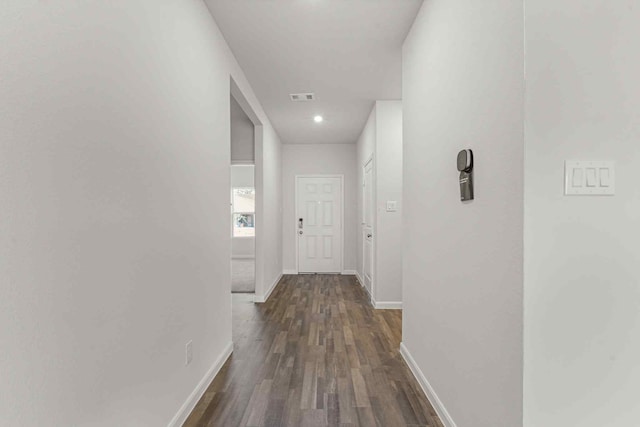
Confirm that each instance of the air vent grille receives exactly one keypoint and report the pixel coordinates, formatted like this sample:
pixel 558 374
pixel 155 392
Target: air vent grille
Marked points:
pixel 302 97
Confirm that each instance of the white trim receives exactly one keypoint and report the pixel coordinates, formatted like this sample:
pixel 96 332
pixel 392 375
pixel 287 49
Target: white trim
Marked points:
pixel 349 273
pixel 374 220
pixel 187 407
pixel 289 271
pixel 243 257
pixel 295 202
pixel 243 162
pixel 437 404
pixel 387 305
pixel 265 297
pixel 359 278
pixel 364 287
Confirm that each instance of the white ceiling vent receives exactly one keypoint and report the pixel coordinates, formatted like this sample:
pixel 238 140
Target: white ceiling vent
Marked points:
pixel 302 97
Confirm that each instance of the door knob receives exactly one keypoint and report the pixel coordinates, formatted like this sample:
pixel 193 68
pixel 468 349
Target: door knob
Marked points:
pixel 300 232
pixel 369 236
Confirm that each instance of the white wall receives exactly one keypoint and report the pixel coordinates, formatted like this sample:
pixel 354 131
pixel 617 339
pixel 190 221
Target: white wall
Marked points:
pixel 582 283
pixel 242 135
pixel 269 199
pixel 463 278
pixel 114 157
pixel 382 138
pixel 327 159
pixel 242 176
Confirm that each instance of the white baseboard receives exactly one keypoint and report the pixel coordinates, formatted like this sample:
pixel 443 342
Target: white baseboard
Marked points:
pixel 364 287
pixel 381 305
pixel 202 386
pixel 344 273
pixel 371 300
pixel 437 404
pixel 243 257
pixel 387 305
pixel 265 297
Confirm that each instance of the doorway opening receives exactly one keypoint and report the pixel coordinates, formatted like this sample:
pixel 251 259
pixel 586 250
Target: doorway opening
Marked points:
pixel 243 197
pixel 243 229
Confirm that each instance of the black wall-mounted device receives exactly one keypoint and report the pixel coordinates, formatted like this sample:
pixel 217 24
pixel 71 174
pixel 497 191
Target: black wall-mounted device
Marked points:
pixel 465 166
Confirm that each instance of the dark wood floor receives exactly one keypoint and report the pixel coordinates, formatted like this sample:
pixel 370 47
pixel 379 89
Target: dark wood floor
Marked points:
pixel 316 354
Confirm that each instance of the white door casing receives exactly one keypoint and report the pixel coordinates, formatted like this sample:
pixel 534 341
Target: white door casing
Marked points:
pixel 368 219
pixel 319 201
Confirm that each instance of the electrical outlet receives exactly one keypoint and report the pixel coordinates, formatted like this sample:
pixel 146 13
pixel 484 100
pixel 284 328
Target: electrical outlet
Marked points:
pixel 188 353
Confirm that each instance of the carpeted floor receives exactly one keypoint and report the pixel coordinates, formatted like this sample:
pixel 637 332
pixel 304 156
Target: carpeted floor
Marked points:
pixel 243 275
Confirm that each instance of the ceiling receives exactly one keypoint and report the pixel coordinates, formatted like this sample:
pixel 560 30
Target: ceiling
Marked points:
pixel 347 52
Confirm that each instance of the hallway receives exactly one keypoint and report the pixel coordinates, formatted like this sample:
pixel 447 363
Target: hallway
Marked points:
pixel 465 171
pixel 315 354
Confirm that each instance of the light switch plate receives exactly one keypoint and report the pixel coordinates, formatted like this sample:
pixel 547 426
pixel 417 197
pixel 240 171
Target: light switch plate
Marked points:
pixel 589 178
pixel 392 206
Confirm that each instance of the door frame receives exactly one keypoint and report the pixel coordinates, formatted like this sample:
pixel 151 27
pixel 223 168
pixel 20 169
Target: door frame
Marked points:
pixel 295 216
pixel 261 288
pixel 374 221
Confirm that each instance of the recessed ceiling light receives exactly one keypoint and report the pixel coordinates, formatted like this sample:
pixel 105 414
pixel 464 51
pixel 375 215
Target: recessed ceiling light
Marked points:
pixel 318 119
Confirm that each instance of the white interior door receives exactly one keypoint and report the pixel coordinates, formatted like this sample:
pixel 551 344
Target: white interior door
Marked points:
pixel 319 224
pixel 368 225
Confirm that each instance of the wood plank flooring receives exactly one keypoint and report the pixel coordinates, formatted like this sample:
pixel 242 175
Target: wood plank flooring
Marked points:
pixel 315 354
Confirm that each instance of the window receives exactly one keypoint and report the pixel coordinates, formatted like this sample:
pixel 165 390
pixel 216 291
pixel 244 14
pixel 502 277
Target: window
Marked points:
pixel 244 212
